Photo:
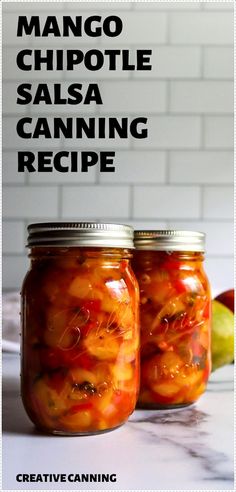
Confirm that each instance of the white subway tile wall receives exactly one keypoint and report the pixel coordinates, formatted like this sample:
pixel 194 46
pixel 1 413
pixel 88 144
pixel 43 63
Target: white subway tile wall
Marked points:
pixel 180 177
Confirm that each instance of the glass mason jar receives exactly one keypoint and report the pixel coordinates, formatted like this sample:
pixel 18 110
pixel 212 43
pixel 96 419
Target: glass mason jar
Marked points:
pixel 80 328
pixel 175 310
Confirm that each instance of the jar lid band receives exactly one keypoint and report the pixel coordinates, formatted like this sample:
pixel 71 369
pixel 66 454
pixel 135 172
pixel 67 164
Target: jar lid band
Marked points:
pixel 81 234
pixel 169 240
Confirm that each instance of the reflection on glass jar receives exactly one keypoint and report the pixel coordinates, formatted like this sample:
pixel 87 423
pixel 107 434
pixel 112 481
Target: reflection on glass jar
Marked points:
pixel 175 307
pixel 80 364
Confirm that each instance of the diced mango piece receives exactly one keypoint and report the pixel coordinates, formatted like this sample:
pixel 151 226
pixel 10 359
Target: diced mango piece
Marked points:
pixel 126 316
pixel 51 402
pixel 121 309
pixel 103 371
pixel 159 292
pixel 102 424
pixel 173 307
pixel 204 337
pixel 190 380
pixel 103 401
pixel 122 372
pixel 170 363
pixel 193 393
pixel 110 410
pixel 79 421
pixel 166 389
pixel 102 344
pixel 81 287
pixel 108 305
pixel 128 350
pixel 81 375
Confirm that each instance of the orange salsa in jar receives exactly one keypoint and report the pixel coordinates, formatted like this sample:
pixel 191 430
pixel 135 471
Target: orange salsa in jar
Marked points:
pixel 175 311
pixel 80 328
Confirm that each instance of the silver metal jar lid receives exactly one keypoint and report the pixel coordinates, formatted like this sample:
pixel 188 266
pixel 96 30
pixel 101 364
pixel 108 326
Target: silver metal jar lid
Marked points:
pixel 170 240
pixel 82 234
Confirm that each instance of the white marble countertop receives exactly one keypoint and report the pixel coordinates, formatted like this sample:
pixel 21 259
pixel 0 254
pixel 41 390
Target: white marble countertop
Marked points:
pixel 189 449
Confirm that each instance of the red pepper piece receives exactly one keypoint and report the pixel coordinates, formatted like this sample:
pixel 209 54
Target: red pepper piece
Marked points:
pixel 93 306
pixel 173 265
pixel 122 399
pixel 81 360
pixel 207 371
pixel 52 359
pixel 207 310
pixel 79 408
pixel 180 286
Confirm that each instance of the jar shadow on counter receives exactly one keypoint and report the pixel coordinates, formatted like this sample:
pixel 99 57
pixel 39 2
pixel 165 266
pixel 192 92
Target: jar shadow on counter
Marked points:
pixel 14 418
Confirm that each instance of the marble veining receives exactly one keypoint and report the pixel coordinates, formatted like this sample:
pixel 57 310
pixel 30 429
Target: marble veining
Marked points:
pixel 209 459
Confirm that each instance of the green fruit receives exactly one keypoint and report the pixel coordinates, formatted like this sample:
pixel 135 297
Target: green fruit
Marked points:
pixel 222 341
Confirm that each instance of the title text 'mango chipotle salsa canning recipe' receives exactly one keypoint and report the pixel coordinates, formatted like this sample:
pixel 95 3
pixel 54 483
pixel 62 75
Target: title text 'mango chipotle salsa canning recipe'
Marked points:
pixel 80 330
